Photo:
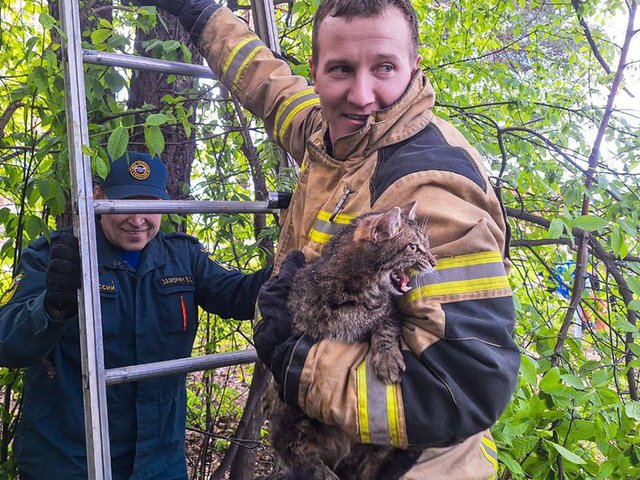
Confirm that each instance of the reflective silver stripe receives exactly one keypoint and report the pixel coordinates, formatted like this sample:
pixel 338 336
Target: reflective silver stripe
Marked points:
pixel 323 229
pixel 458 273
pixel 377 407
pixel 238 60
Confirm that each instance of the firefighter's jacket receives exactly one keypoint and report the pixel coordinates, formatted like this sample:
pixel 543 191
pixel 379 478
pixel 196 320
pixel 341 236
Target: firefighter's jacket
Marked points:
pixel 462 362
pixel 148 315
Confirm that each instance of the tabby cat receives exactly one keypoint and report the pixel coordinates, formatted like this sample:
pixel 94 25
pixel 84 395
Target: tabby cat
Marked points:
pixel 348 295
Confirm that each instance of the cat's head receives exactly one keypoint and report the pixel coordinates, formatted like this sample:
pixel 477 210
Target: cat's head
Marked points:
pixel 401 245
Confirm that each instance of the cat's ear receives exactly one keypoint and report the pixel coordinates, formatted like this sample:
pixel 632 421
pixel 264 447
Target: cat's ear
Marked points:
pixel 381 226
pixel 388 224
pixel 409 211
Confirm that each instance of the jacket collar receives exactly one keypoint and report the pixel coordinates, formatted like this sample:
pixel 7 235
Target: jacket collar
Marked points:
pixel 409 115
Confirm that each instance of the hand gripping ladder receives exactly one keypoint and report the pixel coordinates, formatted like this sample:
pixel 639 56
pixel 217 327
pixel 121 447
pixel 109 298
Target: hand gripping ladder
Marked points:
pixel 95 377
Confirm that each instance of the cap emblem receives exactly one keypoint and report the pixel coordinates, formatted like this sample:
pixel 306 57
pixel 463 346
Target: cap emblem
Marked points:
pixel 140 170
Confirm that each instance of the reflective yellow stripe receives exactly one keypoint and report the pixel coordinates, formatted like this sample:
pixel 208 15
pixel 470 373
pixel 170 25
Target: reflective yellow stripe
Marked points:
pixel 392 414
pixel 293 113
pixel 468 260
pixel 243 65
pixel 363 414
pixel 490 452
pixel 343 218
pixel 233 53
pixel 490 443
pixel 319 237
pixel 462 286
pixel 289 101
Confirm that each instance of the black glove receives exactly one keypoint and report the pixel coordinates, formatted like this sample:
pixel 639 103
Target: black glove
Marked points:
pixel 193 14
pixel 62 279
pixel 275 327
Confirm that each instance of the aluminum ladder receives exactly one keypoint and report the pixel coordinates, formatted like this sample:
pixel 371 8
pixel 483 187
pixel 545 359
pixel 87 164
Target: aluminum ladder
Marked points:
pixel 84 209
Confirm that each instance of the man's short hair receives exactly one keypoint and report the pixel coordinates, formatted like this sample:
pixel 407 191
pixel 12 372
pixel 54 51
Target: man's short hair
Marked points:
pixel 361 8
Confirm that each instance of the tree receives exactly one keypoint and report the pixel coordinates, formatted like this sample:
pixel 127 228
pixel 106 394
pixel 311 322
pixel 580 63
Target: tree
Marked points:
pixel 545 91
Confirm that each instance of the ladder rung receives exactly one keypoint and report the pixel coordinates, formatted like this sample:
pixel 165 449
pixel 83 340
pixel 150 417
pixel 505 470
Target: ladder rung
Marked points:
pixel 114 376
pixel 275 201
pixel 136 62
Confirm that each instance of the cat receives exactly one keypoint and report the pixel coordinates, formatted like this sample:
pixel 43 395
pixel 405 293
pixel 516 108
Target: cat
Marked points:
pixel 348 295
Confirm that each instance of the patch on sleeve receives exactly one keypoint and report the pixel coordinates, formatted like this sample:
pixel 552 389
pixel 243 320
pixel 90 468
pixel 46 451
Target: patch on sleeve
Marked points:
pixel 8 295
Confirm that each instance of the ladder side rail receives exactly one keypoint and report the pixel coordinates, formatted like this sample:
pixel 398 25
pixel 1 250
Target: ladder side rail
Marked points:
pixel 145 371
pixel 91 347
pixel 264 14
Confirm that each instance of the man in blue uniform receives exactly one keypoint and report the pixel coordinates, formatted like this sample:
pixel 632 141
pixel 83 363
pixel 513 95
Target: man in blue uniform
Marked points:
pixel 151 285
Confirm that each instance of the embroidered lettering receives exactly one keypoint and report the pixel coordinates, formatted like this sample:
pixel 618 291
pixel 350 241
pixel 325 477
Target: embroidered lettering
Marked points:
pixel 107 288
pixel 179 280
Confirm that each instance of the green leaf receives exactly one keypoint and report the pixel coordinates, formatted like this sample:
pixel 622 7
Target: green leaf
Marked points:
pixel 529 370
pixel 551 380
pixel 40 78
pixel 118 141
pixel 634 305
pixel 566 454
pixel 589 223
pixel 632 409
pixel 156 119
pixel 618 244
pixel 101 166
pixel 556 228
pixel 154 139
pixel 100 35
pixel 46 20
pixel 170 46
pixel 634 284
pixel 573 381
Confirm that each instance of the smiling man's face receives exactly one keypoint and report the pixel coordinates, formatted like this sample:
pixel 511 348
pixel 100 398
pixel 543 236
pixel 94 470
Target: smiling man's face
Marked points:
pixel 364 64
pixel 129 231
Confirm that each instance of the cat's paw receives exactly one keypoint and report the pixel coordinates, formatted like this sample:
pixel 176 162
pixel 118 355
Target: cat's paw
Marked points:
pixel 388 365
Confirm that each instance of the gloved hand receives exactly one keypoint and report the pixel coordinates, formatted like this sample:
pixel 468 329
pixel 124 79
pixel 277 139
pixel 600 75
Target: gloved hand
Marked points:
pixel 62 279
pixel 275 327
pixel 193 14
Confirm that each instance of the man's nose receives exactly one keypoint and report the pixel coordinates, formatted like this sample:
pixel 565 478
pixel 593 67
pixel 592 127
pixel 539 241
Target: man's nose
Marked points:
pixel 361 92
pixel 136 220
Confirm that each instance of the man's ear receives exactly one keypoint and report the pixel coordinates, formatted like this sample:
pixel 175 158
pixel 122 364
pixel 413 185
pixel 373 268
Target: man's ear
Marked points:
pixel 417 65
pixel 312 68
pixel 98 193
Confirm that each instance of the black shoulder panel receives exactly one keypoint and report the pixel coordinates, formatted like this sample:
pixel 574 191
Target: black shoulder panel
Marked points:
pixel 427 150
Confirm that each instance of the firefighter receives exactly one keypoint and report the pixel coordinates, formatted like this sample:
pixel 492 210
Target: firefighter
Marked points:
pixel 366 139
pixel 151 285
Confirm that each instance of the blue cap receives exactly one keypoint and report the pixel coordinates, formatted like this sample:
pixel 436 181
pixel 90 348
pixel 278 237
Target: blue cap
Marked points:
pixel 136 174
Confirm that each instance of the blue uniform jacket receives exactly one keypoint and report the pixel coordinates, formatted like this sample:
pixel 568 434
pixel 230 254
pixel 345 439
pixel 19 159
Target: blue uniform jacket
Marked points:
pixel 148 315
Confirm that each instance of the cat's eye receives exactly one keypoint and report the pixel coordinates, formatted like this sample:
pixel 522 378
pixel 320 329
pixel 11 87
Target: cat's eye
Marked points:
pixel 412 247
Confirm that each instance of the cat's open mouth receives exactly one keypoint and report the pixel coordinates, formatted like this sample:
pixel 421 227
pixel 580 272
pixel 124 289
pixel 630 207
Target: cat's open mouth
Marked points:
pixel 400 281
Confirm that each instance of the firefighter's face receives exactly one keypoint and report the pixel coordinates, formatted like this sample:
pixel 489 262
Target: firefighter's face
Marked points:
pixel 364 64
pixel 129 231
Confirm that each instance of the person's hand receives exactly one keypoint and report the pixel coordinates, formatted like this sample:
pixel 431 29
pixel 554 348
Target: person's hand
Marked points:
pixel 62 279
pixel 275 327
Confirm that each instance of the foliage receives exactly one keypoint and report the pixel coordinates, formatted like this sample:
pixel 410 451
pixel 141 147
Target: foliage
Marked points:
pixel 542 89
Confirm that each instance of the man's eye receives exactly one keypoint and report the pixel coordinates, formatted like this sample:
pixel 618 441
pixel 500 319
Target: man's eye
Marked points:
pixel 386 68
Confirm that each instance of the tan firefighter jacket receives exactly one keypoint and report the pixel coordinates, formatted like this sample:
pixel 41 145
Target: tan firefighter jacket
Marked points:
pixel 462 363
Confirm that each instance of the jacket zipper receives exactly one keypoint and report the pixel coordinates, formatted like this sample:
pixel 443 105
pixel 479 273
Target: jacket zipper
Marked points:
pixel 347 191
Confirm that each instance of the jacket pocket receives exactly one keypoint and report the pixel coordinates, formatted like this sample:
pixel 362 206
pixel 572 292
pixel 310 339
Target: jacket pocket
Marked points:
pixel 181 314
